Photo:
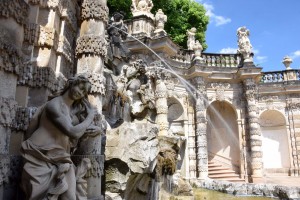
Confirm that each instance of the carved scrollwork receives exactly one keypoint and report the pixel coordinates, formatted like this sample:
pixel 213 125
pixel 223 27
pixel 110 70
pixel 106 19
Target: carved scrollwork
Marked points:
pixel 16 9
pixel 94 9
pixel 91 44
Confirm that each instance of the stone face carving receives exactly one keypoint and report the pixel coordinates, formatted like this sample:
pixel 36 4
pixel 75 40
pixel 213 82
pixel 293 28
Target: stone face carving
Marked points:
pixel 94 9
pixel 191 38
pixel 54 130
pixel 91 44
pixel 245 47
pixel 160 20
pixel 16 9
pixel 220 90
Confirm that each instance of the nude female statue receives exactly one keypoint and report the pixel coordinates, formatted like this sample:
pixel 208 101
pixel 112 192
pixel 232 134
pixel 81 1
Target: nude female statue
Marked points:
pixel 48 172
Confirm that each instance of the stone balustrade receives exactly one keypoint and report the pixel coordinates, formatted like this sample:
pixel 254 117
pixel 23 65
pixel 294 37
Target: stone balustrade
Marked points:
pixel 280 76
pixel 221 60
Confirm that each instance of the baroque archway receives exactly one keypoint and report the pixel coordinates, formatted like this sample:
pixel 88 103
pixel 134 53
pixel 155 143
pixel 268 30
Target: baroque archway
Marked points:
pixel 222 135
pixel 274 141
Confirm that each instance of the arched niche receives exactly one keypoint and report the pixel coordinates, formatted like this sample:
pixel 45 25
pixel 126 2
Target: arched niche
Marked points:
pixel 274 140
pixel 222 135
pixel 176 116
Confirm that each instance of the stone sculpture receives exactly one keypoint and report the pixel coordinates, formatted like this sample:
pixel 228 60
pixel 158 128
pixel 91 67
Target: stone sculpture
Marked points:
pixel 191 38
pixel 49 172
pixel 160 20
pixel 245 47
pixel 117 32
pixel 198 50
pixel 141 5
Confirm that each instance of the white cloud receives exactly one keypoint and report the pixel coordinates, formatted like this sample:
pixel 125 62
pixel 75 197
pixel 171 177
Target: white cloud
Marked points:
pixel 261 59
pixel 295 54
pixel 228 50
pixel 217 19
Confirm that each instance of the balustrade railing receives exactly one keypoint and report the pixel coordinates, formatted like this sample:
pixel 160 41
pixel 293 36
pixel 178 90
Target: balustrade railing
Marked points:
pixel 221 60
pixel 280 76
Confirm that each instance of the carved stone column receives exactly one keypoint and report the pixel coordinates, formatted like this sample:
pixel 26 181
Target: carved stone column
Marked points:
pixel 191 142
pixel 254 130
pixel 201 127
pixel 91 49
pixel 161 104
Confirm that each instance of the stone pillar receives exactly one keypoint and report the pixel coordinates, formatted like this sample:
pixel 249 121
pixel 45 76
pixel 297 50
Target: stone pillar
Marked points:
pixel 254 131
pixel 91 48
pixel 191 143
pixel 13 18
pixel 201 127
pixel 161 105
pixel 294 133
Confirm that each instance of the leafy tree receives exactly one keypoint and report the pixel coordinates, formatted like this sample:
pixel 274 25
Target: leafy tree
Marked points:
pixel 182 15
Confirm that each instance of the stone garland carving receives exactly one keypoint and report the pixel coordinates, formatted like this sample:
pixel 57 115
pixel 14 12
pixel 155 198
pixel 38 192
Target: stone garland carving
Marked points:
pixel 17 9
pixel 7 112
pixel 94 9
pixel 31 33
pixel 65 48
pixel 91 44
pixel 23 117
pixel 254 128
pixel 47 37
pixel 35 76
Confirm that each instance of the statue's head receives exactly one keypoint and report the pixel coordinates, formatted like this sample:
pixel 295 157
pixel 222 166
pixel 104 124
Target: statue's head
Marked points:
pixel 79 86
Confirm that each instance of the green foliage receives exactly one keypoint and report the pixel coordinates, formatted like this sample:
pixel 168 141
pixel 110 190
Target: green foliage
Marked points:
pixel 182 15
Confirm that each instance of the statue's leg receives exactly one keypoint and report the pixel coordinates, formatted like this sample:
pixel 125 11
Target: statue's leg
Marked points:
pixel 70 194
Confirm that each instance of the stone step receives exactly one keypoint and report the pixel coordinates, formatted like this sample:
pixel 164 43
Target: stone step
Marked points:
pixel 232 179
pixel 227 176
pixel 218 168
pixel 221 172
pixel 214 165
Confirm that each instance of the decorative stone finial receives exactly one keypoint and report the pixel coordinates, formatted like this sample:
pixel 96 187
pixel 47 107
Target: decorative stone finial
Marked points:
pixel 160 20
pixel 245 47
pixel 191 38
pixel 287 61
pixel 142 7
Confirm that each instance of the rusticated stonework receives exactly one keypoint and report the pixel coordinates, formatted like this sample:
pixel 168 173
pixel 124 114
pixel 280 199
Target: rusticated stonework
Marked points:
pixel 47 37
pixel 35 76
pixel 7 111
pixel 16 9
pixel 94 9
pixel 91 45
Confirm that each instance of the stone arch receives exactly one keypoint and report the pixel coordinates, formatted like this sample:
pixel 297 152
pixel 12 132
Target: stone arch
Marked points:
pixel 275 144
pixel 222 135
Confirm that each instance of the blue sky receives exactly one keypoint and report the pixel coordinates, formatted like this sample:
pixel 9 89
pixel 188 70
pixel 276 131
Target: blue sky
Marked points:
pixel 274 29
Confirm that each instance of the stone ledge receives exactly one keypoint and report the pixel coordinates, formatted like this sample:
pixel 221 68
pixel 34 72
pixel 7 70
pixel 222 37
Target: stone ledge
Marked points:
pixel 249 189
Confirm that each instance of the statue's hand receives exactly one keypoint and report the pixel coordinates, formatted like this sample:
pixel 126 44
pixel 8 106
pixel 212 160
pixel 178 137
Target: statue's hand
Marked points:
pixel 89 108
pixel 93 131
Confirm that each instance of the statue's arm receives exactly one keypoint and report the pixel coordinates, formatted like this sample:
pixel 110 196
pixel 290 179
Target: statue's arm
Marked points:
pixel 54 114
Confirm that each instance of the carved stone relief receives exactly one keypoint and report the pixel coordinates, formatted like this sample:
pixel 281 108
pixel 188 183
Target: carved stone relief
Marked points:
pixel 94 9
pixel 91 44
pixel 17 9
